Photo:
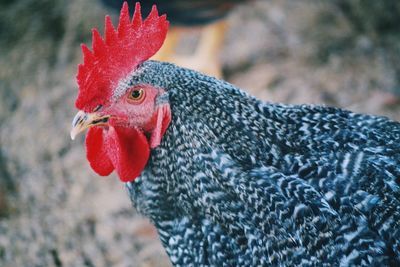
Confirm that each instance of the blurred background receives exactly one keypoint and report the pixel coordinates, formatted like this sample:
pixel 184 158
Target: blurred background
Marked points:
pixel 54 211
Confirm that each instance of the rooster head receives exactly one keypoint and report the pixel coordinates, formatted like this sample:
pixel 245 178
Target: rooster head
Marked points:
pixel 124 120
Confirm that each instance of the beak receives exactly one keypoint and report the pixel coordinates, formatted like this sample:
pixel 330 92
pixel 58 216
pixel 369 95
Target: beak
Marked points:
pixel 83 120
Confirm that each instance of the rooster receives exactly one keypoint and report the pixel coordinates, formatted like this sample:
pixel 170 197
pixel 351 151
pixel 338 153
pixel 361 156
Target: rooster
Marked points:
pixel 229 180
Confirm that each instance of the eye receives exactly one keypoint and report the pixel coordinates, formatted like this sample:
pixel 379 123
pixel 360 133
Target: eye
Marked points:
pixel 136 95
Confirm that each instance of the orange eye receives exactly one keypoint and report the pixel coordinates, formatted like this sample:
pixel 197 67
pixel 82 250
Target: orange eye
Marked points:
pixel 136 95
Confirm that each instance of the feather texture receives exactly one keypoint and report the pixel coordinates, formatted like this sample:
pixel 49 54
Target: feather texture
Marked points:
pixel 239 182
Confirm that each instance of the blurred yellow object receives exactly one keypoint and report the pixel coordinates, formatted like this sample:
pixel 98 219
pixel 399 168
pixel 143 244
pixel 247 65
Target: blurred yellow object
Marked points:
pixel 206 56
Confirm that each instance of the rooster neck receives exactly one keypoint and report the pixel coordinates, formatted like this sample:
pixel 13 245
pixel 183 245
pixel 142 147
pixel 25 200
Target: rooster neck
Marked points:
pixel 195 136
pixel 178 172
pixel 238 175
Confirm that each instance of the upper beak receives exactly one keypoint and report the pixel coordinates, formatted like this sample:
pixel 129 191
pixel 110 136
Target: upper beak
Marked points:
pixel 83 120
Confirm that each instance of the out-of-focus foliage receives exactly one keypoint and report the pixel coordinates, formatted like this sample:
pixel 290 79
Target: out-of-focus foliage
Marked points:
pixel 379 21
pixel 372 17
pixel 24 21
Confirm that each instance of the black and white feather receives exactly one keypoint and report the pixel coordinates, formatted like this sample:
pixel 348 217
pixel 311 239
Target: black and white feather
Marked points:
pixel 240 182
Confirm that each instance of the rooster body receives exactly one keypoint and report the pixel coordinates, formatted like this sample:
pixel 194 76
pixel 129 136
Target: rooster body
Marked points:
pixel 239 182
pixel 229 180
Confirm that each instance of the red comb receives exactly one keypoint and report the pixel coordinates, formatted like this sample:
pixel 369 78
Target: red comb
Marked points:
pixel 115 57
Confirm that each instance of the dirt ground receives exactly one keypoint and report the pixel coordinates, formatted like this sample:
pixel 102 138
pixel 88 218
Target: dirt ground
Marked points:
pixel 54 211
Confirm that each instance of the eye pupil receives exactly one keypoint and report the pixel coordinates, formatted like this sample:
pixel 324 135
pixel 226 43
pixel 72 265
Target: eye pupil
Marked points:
pixel 136 94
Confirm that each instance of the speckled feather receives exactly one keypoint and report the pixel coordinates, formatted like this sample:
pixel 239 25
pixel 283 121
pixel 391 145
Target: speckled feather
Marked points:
pixel 239 182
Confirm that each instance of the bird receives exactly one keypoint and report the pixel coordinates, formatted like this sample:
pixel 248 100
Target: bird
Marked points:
pixel 208 16
pixel 230 180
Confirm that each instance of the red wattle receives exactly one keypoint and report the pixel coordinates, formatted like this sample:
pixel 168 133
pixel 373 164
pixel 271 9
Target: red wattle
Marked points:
pixel 96 152
pixel 128 150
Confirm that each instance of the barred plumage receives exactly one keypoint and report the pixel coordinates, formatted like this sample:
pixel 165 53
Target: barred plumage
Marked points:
pixel 239 182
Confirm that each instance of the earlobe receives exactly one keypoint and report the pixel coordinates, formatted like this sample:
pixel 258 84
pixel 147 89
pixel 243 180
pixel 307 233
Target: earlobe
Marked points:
pixel 163 114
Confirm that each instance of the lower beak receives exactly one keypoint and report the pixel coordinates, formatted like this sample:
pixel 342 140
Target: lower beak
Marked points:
pixel 83 120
